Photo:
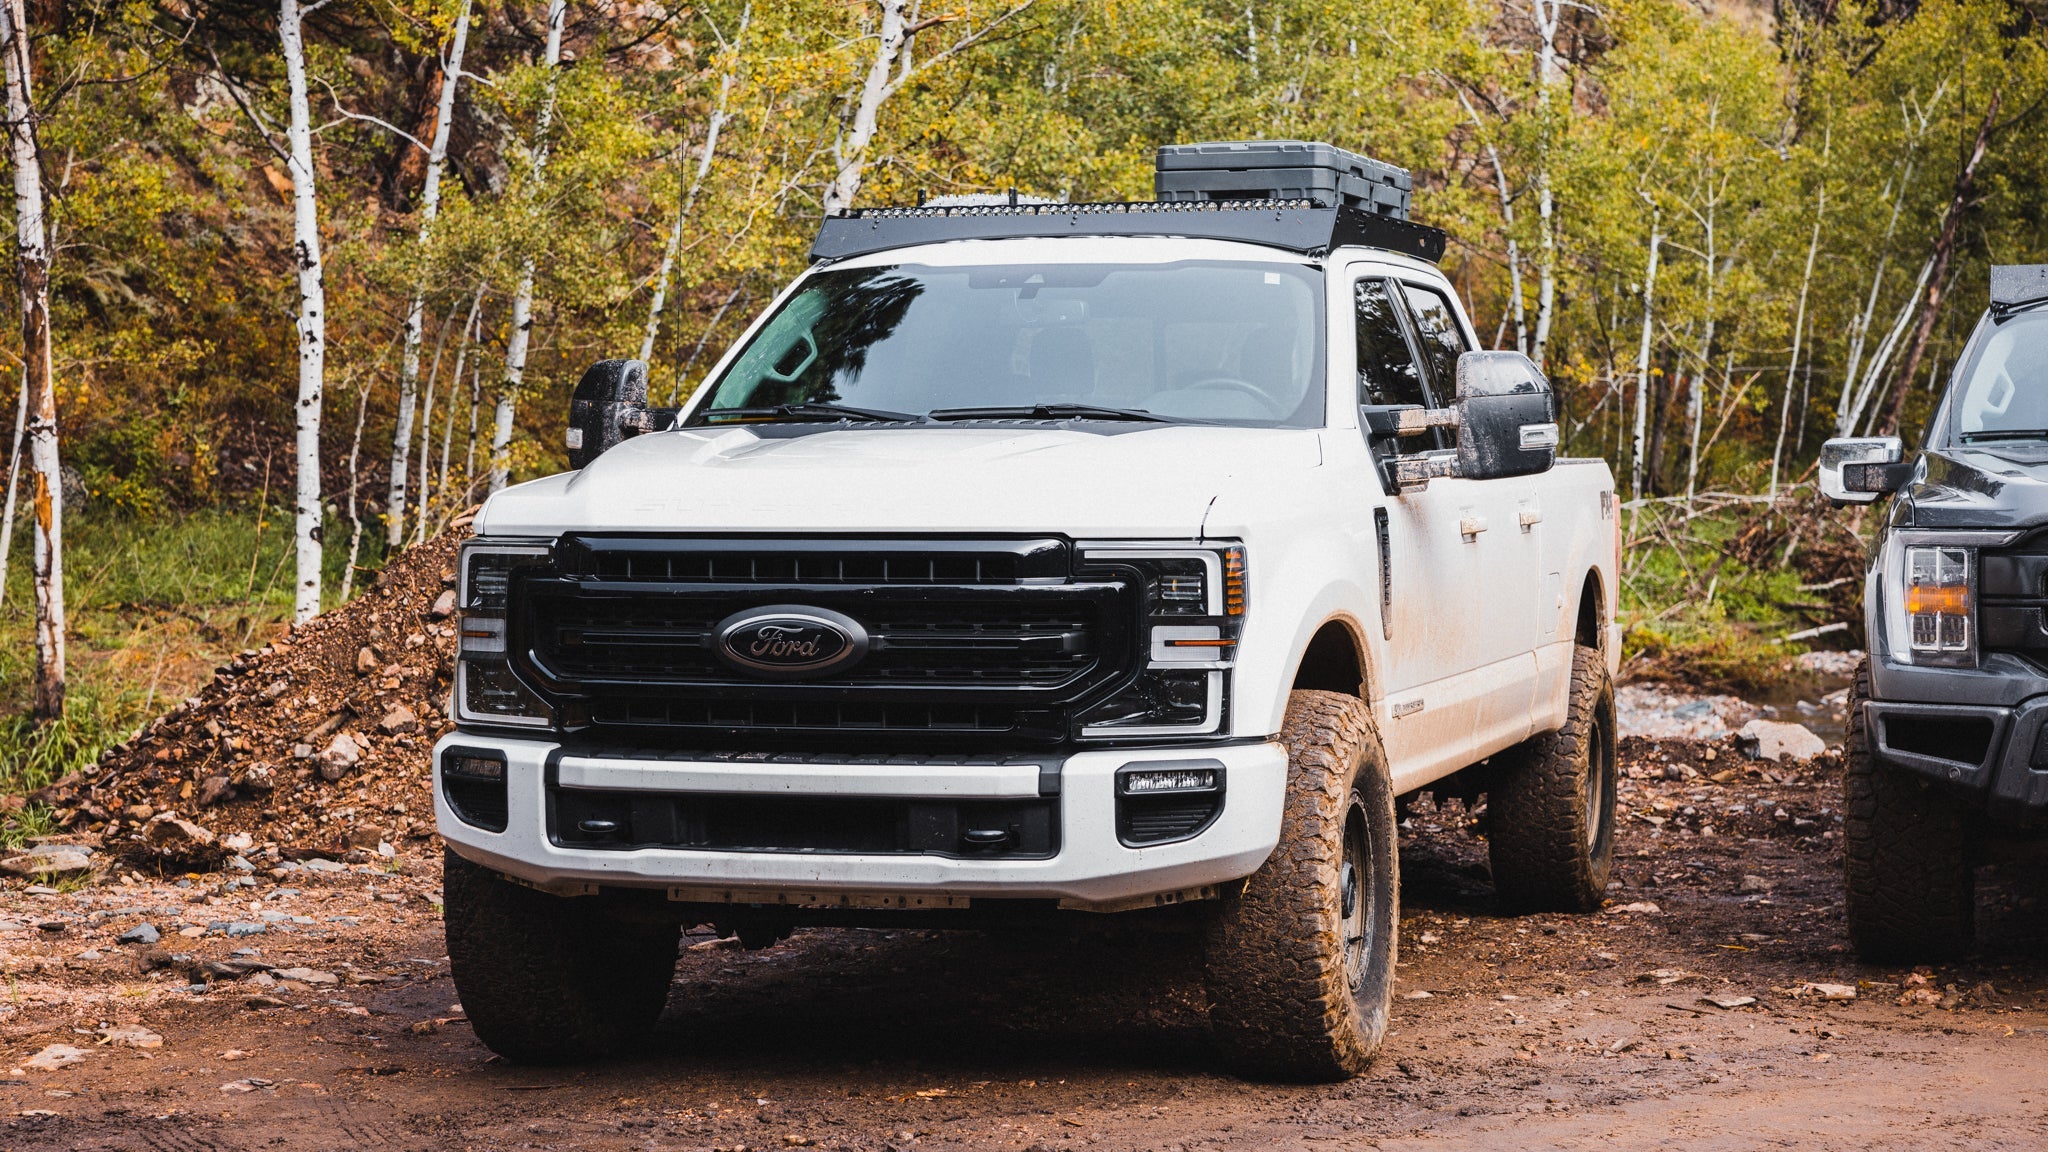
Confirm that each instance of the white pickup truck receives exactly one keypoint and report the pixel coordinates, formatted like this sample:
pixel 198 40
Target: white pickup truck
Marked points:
pixel 1027 562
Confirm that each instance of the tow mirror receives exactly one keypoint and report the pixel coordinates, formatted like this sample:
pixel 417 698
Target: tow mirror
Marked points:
pixel 1859 469
pixel 609 406
pixel 1505 416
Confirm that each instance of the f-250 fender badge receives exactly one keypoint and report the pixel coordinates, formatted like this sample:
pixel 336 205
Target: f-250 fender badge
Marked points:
pixel 790 641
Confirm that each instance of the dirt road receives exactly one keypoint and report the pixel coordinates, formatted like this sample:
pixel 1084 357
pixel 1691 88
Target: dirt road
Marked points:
pixel 1547 1031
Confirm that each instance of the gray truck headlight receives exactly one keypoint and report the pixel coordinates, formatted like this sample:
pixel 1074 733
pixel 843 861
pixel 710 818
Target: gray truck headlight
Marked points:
pixel 1194 605
pixel 1930 585
pixel 487 691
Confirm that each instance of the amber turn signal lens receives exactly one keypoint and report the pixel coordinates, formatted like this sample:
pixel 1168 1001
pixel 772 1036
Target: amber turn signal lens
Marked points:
pixel 1233 582
pixel 1945 600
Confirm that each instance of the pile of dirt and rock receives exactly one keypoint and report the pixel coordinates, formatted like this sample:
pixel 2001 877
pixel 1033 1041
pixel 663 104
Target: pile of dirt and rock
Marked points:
pixel 313 746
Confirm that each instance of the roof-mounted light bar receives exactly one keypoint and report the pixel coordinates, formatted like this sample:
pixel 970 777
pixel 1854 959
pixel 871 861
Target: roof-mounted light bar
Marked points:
pixel 1295 225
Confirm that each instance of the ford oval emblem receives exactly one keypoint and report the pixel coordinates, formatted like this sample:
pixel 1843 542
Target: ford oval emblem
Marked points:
pixel 790 641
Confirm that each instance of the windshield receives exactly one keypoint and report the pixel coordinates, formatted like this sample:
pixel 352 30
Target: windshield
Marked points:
pixel 2004 384
pixel 1209 341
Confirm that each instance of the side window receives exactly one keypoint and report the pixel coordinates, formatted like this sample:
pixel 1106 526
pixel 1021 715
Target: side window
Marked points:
pixel 1436 328
pixel 1387 373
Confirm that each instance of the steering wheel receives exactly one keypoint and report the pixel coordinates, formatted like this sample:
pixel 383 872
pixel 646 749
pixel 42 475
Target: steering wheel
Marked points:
pixel 1244 387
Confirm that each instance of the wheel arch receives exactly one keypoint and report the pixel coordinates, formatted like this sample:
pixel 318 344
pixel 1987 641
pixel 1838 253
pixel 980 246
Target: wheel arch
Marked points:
pixel 1590 627
pixel 1334 660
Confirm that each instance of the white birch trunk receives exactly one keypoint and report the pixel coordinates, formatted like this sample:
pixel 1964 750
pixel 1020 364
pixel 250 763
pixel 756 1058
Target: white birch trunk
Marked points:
pixel 1548 16
pixel 1859 328
pixel 427 423
pixel 14 451
pixel 688 201
pixel 1798 339
pixel 355 507
pixel 409 358
pixel 1516 307
pixel 33 274
pixel 439 486
pixel 312 318
pixel 1873 373
pixel 517 341
pixel 1694 394
pixel 851 151
pixel 1637 442
pixel 476 400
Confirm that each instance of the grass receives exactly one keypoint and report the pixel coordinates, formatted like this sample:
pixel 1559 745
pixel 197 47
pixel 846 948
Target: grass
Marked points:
pixel 155 603
pixel 1710 598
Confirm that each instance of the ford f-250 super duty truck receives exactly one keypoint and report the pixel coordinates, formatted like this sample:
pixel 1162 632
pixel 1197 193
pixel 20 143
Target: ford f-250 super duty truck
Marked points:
pixel 1947 748
pixel 1024 562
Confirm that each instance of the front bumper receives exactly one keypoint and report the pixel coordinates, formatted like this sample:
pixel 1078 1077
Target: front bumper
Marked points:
pixel 1091 867
pixel 1995 752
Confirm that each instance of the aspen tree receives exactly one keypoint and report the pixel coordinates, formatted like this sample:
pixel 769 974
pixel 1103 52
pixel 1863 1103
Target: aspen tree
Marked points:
pixel 522 295
pixel 32 273
pixel 312 313
pixel 415 314
pixel 719 115
pixel 888 71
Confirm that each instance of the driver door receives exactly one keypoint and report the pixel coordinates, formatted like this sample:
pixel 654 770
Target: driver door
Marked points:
pixel 1427 706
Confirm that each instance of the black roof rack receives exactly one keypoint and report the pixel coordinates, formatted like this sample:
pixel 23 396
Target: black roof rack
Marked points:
pixel 1296 225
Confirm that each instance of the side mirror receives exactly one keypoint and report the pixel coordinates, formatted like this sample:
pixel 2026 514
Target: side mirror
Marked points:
pixel 1507 417
pixel 1859 469
pixel 609 406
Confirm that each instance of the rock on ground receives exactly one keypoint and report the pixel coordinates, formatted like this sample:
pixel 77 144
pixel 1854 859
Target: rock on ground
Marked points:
pixel 1778 740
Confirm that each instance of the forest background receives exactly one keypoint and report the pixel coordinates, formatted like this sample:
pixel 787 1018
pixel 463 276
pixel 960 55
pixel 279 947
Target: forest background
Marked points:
pixel 1727 232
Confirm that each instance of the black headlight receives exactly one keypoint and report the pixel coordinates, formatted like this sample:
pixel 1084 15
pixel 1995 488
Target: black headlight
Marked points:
pixel 1194 604
pixel 487 691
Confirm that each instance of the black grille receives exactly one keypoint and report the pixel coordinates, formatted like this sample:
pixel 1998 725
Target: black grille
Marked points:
pixel 876 562
pixel 2012 603
pixel 587 818
pixel 978 639
pixel 1166 818
pixel 601 630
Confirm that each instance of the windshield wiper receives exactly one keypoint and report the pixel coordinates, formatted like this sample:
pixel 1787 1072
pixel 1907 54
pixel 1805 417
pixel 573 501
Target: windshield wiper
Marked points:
pixel 2006 434
pixel 1047 412
pixel 814 410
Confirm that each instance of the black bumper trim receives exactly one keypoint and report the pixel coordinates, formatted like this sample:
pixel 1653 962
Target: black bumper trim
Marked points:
pixel 2005 777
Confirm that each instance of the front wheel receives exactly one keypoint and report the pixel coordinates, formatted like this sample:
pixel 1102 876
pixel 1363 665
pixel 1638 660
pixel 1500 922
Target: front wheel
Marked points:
pixel 1550 808
pixel 552 979
pixel 1905 850
pixel 1300 965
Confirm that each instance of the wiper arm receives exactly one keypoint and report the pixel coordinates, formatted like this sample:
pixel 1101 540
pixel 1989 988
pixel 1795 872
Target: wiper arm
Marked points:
pixel 1048 412
pixel 2007 434
pixel 814 410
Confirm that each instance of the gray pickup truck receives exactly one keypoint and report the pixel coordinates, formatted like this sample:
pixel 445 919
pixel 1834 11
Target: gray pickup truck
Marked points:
pixel 1948 722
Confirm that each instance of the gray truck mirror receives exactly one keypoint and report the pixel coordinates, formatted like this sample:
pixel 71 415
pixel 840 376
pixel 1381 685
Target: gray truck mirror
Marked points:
pixel 1507 417
pixel 1859 469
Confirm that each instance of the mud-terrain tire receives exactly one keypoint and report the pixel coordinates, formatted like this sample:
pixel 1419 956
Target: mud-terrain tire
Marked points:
pixel 1300 965
pixel 1905 852
pixel 1550 804
pixel 551 979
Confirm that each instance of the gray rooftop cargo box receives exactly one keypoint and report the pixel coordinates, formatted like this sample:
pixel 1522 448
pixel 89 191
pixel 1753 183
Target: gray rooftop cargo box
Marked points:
pixel 1282 170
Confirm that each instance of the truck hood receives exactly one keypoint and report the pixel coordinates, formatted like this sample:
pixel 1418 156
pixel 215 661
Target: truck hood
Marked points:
pixel 1978 488
pixel 1142 480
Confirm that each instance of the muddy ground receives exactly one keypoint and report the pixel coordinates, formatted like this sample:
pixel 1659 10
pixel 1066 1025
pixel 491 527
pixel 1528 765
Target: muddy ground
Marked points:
pixel 1545 1031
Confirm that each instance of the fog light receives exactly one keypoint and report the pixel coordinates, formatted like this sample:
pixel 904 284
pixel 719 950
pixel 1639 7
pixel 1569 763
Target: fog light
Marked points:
pixel 473 767
pixel 473 782
pixel 1167 800
pixel 1155 781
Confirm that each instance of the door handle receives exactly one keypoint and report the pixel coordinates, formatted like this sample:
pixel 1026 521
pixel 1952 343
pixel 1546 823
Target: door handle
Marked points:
pixel 1528 518
pixel 1471 526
